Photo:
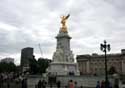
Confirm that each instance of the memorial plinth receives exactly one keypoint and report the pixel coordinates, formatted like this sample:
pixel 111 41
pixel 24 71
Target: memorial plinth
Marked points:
pixel 63 58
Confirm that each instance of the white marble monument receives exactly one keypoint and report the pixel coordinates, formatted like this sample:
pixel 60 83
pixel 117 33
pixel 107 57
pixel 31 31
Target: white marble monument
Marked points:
pixel 63 61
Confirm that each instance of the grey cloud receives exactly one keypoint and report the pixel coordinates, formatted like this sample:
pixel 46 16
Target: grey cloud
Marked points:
pixel 55 4
pixel 16 40
pixel 39 21
pixel 9 13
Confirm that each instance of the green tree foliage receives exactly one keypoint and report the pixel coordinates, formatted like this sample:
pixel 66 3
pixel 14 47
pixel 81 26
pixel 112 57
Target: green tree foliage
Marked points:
pixel 7 67
pixel 43 64
pixel 38 67
pixel 33 66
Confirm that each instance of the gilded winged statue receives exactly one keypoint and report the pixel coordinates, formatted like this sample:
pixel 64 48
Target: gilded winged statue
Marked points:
pixel 63 21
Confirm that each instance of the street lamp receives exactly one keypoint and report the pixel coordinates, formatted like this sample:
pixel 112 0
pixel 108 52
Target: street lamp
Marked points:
pixel 105 47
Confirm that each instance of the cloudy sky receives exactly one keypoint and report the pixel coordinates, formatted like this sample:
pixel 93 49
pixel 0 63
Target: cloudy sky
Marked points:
pixel 26 23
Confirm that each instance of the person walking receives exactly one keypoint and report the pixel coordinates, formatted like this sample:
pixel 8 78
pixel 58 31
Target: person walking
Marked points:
pixel 103 84
pixel 76 86
pixel 8 83
pixel 71 84
pixel 24 83
pixel 98 85
pixel 0 81
pixel 44 84
pixel 58 84
pixel 40 84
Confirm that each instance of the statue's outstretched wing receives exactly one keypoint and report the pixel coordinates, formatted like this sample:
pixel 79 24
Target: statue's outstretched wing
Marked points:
pixel 67 16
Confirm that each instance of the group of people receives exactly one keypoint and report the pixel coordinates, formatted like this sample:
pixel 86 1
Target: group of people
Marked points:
pixel 103 84
pixel 41 84
pixel 8 80
pixel 72 84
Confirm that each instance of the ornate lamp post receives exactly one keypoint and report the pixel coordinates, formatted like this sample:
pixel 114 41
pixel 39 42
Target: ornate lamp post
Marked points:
pixel 105 47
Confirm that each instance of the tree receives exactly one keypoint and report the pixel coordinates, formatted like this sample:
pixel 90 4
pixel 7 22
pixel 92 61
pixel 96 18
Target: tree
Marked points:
pixel 43 64
pixel 39 66
pixel 7 67
pixel 33 66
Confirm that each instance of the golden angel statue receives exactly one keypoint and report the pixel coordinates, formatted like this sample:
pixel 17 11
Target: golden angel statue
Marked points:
pixel 63 21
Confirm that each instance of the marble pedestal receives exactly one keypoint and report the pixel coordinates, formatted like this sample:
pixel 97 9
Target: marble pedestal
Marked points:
pixel 65 68
pixel 63 60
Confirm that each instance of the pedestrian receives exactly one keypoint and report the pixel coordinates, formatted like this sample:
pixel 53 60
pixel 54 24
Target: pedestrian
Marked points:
pixel 24 83
pixel 0 81
pixel 58 84
pixel 75 84
pixel 109 85
pixel 66 86
pixel 116 84
pixel 81 86
pixel 44 84
pixel 51 85
pixel 103 84
pixel 71 84
pixel 40 84
pixel 8 84
pixel 98 84
pixel 36 86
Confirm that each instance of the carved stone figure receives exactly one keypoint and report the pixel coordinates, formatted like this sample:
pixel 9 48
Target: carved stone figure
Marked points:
pixel 58 55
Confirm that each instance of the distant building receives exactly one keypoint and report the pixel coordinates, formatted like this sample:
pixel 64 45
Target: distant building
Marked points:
pixel 95 64
pixel 8 60
pixel 26 55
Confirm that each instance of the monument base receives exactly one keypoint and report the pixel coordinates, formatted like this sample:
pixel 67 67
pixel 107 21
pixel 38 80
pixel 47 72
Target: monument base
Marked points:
pixel 65 68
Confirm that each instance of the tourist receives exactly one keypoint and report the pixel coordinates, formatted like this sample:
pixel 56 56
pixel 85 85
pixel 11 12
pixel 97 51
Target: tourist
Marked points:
pixel 51 85
pixel 109 85
pixel 81 86
pixel 76 84
pixel 40 84
pixel 116 86
pixel 116 83
pixel 71 84
pixel 103 84
pixel 24 83
pixel 98 84
pixel 58 84
pixel 44 84
pixel 1 81
pixel 66 86
pixel 36 86
pixel 8 83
